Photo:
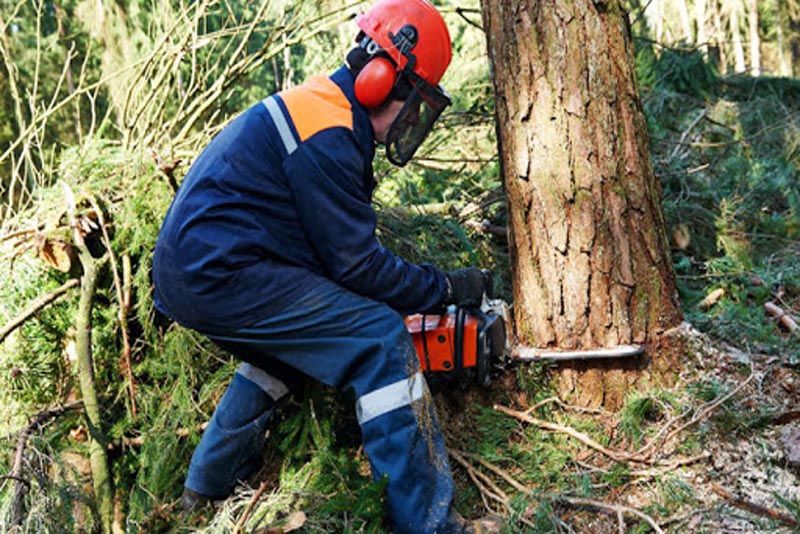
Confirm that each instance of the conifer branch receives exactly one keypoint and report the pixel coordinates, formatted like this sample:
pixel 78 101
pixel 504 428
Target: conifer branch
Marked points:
pixel 35 306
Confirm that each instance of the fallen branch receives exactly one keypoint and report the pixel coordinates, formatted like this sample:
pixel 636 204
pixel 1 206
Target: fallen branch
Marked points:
pixel 488 228
pixel 756 509
pixel 785 418
pixel 615 508
pixel 712 298
pixel 616 455
pixel 565 406
pixel 22 485
pixel 496 494
pixel 701 414
pixel 122 288
pixel 35 306
pixel 708 408
pixel 782 316
pixel 497 471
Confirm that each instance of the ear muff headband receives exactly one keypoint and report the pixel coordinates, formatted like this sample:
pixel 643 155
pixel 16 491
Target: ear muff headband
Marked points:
pixel 375 81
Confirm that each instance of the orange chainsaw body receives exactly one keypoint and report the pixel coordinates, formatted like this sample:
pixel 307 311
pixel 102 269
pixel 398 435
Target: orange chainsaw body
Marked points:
pixel 464 339
pixel 438 335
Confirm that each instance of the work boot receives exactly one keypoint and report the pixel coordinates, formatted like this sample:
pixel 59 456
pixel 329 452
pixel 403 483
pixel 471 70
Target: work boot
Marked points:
pixel 194 503
pixel 490 524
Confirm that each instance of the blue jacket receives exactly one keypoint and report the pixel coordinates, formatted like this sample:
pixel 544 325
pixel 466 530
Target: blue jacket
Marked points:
pixel 277 202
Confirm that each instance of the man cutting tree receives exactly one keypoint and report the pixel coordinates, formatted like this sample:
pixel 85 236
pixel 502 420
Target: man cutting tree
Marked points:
pixel 269 249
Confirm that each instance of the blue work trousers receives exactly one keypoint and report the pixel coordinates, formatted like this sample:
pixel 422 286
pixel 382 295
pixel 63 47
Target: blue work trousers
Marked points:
pixel 346 341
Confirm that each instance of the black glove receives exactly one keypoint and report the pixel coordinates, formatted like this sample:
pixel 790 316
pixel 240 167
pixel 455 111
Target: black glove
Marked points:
pixel 465 287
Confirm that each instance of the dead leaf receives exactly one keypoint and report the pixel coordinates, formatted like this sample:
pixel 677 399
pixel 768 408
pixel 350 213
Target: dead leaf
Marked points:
pixel 681 236
pixel 56 254
pixel 712 298
pixel 295 521
pixel 79 433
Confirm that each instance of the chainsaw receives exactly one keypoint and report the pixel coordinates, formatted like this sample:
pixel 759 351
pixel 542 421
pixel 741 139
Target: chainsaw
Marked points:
pixel 477 338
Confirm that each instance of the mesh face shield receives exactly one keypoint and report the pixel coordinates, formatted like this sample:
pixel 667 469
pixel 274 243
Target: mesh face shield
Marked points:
pixel 414 122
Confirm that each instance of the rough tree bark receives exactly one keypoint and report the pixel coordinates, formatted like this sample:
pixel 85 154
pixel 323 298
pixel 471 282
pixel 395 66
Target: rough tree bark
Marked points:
pixel 590 258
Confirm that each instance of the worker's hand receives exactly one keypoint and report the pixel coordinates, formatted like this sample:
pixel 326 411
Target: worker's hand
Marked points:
pixel 466 286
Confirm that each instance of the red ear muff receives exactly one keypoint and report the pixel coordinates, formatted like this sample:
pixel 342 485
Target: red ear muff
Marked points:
pixel 375 81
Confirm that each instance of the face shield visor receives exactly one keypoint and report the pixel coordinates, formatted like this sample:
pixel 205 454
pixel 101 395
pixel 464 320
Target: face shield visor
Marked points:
pixel 414 122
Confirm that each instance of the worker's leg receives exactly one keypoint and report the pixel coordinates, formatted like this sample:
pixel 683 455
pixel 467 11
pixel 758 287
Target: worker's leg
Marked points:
pixel 233 440
pixel 346 340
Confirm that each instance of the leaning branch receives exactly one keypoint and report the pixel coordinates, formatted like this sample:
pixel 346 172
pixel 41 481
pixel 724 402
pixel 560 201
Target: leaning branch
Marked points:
pixel 35 306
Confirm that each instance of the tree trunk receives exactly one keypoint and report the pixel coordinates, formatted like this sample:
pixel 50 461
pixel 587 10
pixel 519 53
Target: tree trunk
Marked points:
pixel 686 24
pixel 590 259
pixel 720 38
pixel 784 50
pixel 739 65
pixel 755 40
pixel 700 23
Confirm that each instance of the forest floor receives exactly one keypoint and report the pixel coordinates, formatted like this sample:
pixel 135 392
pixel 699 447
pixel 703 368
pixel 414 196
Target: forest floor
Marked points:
pixel 717 452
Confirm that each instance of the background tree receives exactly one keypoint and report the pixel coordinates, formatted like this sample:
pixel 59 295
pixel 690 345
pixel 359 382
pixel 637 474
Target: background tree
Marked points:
pixel 590 260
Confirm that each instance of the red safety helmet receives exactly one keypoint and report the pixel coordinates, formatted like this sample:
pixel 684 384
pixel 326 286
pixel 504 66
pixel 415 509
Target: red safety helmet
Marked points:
pixel 429 50
pixel 414 43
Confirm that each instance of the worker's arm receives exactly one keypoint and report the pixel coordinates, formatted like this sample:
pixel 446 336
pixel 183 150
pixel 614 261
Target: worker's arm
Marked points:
pixel 325 177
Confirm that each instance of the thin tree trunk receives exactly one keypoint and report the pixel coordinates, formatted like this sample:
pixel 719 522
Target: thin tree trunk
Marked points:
pixel 686 24
pixel 719 37
pixel 784 50
pixel 739 65
pixel 755 40
pixel 700 23
pixel 101 474
pixel 590 260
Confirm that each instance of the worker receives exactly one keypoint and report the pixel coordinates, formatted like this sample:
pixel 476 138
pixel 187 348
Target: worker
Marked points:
pixel 269 249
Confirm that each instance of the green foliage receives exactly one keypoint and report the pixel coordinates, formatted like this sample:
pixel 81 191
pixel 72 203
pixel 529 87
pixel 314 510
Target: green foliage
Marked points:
pixel 642 409
pixel 676 70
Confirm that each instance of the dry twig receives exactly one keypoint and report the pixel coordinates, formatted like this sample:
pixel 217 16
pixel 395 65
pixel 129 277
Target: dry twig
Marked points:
pixel 700 414
pixel 756 509
pixel 616 455
pixel 615 508
pixel 249 510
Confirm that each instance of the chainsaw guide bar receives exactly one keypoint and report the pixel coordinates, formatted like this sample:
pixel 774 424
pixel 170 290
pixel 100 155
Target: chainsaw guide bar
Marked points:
pixel 532 354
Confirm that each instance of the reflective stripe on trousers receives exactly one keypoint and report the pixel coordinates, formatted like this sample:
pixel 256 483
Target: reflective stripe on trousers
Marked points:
pixel 384 400
pixel 351 342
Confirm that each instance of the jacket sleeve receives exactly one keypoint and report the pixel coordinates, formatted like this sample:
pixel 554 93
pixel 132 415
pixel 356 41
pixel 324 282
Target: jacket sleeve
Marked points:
pixel 325 176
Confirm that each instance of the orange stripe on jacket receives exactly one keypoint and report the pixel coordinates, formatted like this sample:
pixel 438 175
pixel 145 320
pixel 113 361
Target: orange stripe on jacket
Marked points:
pixel 317 105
